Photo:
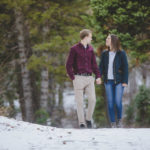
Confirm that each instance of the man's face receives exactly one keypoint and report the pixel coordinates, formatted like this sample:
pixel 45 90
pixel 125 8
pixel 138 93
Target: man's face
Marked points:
pixel 89 38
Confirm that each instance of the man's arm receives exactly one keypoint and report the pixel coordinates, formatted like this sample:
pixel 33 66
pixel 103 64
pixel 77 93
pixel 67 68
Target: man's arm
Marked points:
pixel 69 64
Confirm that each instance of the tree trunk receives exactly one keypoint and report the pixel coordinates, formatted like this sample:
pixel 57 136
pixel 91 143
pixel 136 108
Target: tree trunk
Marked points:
pixel 33 75
pixel 60 96
pixel 35 92
pixel 52 87
pixel 20 90
pixel 61 111
pixel 24 71
pixel 44 77
pixel 44 89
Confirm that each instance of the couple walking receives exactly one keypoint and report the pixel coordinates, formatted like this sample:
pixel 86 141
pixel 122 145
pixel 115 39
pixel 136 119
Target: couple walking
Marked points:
pixel 113 67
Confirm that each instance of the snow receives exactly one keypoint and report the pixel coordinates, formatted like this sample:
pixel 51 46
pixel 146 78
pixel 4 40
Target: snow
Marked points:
pixel 19 135
pixel 69 101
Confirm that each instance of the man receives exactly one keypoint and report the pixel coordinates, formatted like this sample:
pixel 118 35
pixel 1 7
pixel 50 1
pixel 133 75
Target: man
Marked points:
pixel 81 63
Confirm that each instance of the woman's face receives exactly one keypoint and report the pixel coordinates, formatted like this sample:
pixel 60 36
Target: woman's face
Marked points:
pixel 108 41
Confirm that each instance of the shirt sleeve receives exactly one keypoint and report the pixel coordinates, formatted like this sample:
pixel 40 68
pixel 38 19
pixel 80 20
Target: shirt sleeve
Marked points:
pixel 69 64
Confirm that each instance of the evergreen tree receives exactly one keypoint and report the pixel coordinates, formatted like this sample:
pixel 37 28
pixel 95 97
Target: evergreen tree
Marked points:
pixel 126 18
pixel 37 51
pixel 138 112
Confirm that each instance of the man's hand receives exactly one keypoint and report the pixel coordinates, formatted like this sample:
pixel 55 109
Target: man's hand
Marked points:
pixel 124 84
pixel 98 81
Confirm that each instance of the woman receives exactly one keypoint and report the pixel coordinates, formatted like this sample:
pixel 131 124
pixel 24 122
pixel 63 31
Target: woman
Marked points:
pixel 114 68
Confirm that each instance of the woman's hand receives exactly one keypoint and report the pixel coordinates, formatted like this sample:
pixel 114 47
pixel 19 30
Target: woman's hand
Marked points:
pixel 98 81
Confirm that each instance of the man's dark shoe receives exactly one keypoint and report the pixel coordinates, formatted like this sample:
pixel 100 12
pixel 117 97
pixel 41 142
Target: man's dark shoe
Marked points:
pixel 89 124
pixel 82 126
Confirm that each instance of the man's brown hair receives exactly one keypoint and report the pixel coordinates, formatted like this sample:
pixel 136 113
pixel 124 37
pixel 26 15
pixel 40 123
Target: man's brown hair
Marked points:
pixel 84 33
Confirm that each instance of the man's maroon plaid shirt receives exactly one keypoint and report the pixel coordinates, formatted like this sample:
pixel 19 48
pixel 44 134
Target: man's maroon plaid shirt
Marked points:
pixel 81 60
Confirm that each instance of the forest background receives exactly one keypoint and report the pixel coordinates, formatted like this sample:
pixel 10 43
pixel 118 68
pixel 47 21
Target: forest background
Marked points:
pixel 35 39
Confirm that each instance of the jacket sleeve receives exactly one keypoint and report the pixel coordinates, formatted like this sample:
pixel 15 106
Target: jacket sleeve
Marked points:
pixel 94 66
pixel 69 64
pixel 125 67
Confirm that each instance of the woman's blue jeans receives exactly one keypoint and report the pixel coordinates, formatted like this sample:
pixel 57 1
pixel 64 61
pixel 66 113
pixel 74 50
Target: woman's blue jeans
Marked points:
pixel 114 94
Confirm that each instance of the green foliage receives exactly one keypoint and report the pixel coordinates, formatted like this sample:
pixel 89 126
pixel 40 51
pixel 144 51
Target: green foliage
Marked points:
pixel 62 25
pixel 140 107
pixel 127 19
pixel 41 116
pixel 100 115
pixel 130 113
pixel 142 101
pixel 49 27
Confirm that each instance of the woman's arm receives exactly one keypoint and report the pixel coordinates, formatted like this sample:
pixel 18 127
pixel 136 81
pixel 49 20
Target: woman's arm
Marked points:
pixel 125 67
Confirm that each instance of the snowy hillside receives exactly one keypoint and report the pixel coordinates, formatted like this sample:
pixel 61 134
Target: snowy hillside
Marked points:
pixel 19 135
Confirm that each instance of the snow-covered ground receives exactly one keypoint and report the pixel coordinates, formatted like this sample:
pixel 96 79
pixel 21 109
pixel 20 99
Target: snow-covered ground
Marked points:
pixel 19 135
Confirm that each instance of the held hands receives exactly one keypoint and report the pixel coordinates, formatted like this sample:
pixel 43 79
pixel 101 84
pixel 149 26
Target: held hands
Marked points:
pixel 98 81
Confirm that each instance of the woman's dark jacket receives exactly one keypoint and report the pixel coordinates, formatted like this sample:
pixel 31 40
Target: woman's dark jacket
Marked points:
pixel 120 66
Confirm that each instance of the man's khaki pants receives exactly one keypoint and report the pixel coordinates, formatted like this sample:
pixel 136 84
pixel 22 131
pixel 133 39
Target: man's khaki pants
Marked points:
pixel 81 84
